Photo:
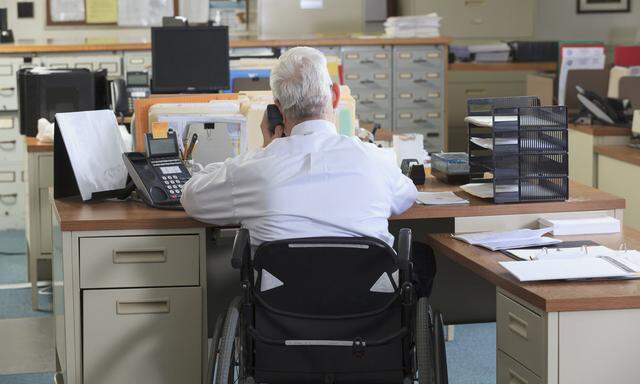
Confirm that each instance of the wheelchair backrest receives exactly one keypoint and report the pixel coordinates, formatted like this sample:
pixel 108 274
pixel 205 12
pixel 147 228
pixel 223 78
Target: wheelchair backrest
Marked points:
pixel 326 276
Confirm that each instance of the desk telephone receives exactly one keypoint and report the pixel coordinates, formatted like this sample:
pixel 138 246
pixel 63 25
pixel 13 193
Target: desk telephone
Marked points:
pixel 159 174
pixel 124 92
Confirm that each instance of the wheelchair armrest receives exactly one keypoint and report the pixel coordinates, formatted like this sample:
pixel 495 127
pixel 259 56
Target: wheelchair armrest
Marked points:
pixel 241 248
pixel 404 249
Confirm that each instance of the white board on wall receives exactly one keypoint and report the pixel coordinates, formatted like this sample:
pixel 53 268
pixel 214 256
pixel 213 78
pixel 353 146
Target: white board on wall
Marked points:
pixel 143 13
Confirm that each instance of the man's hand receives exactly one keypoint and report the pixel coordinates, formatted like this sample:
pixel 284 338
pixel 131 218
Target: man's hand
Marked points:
pixel 267 136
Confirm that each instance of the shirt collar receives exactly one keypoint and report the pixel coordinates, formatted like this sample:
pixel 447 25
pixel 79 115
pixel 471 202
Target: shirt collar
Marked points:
pixel 314 126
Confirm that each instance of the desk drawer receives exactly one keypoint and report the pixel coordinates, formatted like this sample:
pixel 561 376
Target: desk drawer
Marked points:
pixel 510 371
pixel 139 261
pixel 521 333
pixel 419 57
pixel 142 336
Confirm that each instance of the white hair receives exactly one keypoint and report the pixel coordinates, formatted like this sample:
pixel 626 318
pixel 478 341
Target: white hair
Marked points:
pixel 301 83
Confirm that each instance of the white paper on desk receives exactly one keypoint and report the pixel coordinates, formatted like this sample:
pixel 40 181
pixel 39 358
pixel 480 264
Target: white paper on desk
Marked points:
pixel 564 269
pixel 561 253
pixel 578 58
pixel 508 239
pixel 487 142
pixel 95 149
pixel 487 121
pixel 440 198
pixel 501 245
pixel 485 190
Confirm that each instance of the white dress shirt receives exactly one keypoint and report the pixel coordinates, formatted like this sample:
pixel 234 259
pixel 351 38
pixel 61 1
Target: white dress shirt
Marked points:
pixel 312 183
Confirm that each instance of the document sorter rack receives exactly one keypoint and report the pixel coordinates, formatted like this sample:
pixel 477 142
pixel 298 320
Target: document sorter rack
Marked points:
pixel 523 148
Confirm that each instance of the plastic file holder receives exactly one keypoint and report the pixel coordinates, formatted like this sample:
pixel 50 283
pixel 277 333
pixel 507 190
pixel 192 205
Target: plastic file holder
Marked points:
pixel 528 158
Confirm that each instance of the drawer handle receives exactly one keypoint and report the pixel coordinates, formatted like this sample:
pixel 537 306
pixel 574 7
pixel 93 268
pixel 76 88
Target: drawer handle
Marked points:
pixel 514 378
pixel 473 3
pixel 475 92
pixel 420 101
pixel 419 121
pixel 12 142
pixel 137 256
pixel 418 81
pixel 366 81
pixel 419 61
pixel 12 196
pixel 433 134
pixel 366 61
pixel 143 307
pixel 518 326
pixel 366 102
pixel 7 89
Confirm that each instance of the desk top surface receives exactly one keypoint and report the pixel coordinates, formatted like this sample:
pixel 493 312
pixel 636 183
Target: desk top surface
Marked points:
pixel 115 44
pixel 74 215
pixel 35 145
pixel 601 130
pixel 549 296
pixel 620 152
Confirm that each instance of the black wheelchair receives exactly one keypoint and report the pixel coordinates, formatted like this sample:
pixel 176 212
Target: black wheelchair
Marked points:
pixel 327 310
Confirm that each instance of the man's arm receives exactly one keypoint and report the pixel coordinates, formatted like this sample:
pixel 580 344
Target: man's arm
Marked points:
pixel 208 195
pixel 404 192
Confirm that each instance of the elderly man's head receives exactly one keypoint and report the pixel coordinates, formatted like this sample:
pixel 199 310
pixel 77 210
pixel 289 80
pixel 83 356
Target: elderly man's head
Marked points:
pixel 302 86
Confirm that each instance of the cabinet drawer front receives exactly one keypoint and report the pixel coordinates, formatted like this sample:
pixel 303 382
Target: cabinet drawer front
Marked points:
pixel 521 334
pixel 372 100
pixel 8 94
pixel 407 119
pixel 366 58
pixel 139 261
pixel 380 117
pixel 12 147
pixel 432 81
pixel 510 371
pixel 418 98
pixel 419 58
pixel 370 80
pixel 142 336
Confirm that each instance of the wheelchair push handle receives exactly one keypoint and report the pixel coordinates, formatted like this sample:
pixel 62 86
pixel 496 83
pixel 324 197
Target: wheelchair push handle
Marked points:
pixel 241 248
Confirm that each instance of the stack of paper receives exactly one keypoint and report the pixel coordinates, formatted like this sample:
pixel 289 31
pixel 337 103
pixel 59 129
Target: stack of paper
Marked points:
pixel 440 198
pixel 488 53
pixel 520 238
pixel 413 26
pixel 487 142
pixel 582 226
pixel 606 264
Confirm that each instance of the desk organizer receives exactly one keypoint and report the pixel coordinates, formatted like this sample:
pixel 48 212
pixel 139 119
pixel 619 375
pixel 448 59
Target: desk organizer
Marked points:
pixel 523 147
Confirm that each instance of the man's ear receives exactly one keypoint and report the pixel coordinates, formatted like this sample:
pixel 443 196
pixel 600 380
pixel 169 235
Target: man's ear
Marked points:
pixel 335 93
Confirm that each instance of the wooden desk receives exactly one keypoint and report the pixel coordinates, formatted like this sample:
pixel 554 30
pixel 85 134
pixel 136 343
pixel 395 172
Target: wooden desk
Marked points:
pixel 38 211
pixel 618 168
pixel 582 139
pixel 558 332
pixel 88 236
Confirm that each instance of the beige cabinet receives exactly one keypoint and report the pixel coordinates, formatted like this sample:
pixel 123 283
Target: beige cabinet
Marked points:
pixel 130 305
pixel 465 85
pixel 142 335
pixel 582 158
pixel 622 179
pixel 478 18
pixel 38 208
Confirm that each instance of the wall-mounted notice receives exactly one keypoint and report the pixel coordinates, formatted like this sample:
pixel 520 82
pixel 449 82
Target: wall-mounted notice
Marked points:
pixel 311 4
pixel 62 11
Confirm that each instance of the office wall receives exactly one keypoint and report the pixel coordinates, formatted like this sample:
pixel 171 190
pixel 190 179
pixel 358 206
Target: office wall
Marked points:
pixel 36 27
pixel 558 19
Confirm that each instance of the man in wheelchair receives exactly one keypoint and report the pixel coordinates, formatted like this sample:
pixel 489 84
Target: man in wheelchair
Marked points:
pixel 326 299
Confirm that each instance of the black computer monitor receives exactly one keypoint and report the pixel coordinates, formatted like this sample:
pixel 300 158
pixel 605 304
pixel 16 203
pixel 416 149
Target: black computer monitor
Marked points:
pixel 190 59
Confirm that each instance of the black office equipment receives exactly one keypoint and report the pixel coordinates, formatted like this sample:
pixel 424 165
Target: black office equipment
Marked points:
pixel 528 157
pixel 605 110
pixel 6 35
pixel 413 170
pixel 43 93
pixel 275 118
pixel 190 59
pixel 124 92
pixel 158 174
pixel 534 51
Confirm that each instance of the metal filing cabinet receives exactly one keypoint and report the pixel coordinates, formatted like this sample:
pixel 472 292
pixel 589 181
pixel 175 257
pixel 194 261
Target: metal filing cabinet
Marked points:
pixel 112 62
pixel 418 91
pixel 367 71
pixel 137 61
pixel 12 194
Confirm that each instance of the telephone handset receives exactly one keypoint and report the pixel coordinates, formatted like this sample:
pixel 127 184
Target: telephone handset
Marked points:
pixel 275 118
pixel 158 174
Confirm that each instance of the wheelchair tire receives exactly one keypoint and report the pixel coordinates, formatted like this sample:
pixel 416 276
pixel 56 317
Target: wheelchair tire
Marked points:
pixel 425 360
pixel 215 348
pixel 226 365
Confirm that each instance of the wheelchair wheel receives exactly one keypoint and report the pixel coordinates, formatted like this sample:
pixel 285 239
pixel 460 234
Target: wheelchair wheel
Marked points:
pixel 229 366
pixel 425 362
pixel 215 348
